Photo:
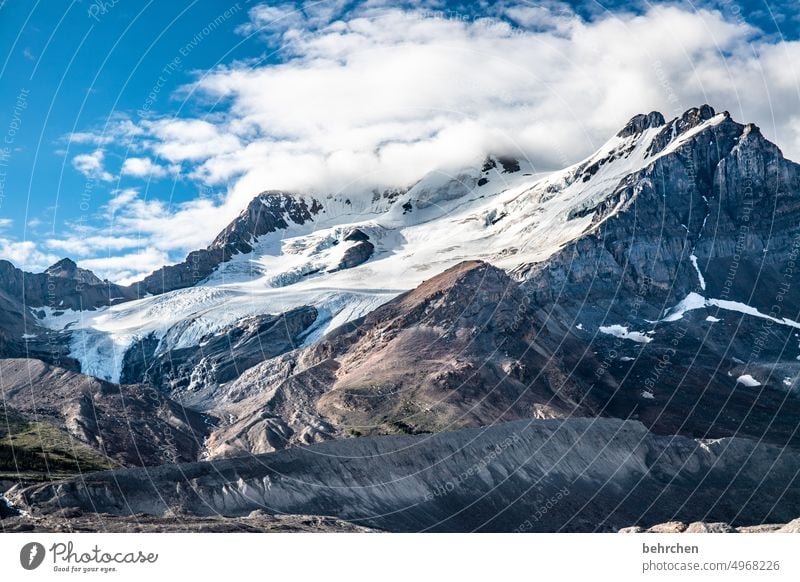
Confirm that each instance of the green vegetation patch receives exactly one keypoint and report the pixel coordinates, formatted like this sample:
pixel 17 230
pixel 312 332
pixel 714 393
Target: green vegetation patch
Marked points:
pixel 41 451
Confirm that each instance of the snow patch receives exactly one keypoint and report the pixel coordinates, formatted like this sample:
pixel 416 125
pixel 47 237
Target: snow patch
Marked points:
pixel 689 135
pixel 696 301
pixel 693 259
pixel 691 302
pixel 622 332
pixel 748 380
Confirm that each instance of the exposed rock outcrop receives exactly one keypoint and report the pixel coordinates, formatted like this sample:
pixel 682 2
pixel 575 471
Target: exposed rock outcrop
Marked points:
pixel 715 527
pixel 130 424
pixel 193 374
pixel 639 123
pixel 357 254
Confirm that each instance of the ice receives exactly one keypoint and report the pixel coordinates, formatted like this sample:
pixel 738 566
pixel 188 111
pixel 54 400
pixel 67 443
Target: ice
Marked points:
pixel 689 135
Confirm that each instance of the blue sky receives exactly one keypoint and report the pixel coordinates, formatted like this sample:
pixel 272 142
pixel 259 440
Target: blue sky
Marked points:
pixel 136 130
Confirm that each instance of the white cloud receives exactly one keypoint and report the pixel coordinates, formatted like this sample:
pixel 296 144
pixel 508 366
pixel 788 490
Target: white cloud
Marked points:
pixel 127 268
pixel 193 139
pixel 120 130
pixel 120 199
pixel 6 223
pixel 26 255
pixel 388 95
pixel 268 19
pixel 91 245
pixel 91 165
pixel 142 168
pixel 172 228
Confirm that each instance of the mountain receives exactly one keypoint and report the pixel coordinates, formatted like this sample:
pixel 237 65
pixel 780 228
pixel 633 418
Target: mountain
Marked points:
pixel 642 237
pixel 60 287
pixel 651 284
pixel 267 213
pixel 625 314
pixel 686 289
pixel 612 205
pixel 28 298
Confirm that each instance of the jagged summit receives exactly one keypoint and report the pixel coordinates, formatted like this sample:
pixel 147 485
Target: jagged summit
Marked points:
pixel 695 116
pixel 66 268
pixel 269 211
pixel 640 122
pixel 689 119
pixel 673 129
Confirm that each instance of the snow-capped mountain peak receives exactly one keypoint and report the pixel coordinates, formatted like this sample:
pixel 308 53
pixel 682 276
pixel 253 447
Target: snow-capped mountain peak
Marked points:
pixel 286 251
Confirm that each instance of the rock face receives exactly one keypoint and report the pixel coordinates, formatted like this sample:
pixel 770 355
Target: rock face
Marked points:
pixel 357 254
pixel 21 335
pixel 546 475
pixel 68 269
pixel 282 413
pixel 193 374
pixel 62 286
pixel 356 235
pixel 710 226
pixel 268 212
pixel 455 352
pixel 639 123
pixel 130 424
